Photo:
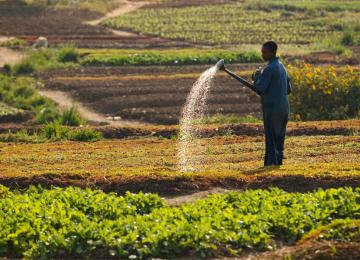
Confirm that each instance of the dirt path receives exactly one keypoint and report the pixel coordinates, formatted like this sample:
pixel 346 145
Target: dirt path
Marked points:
pixel 64 100
pixel 124 7
pixel 178 200
pixel 9 56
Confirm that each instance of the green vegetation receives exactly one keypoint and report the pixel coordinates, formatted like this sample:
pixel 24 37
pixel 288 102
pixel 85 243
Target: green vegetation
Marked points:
pixel 55 131
pixel 289 22
pixel 21 93
pixel 6 110
pixel 301 5
pixel 68 54
pixel 46 59
pixel 227 119
pixel 52 132
pixel 325 92
pixel 341 229
pixel 165 57
pixel 84 223
pixel 95 5
pixel 14 43
pixel 71 117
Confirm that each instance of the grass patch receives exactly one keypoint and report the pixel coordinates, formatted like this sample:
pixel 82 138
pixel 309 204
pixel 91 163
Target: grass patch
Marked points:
pixel 6 110
pixel 102 6
pixel 21 93
pixel 46 59
pixel 52 132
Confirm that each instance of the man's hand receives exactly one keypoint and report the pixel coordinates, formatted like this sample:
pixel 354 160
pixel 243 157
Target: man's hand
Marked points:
pixel 256 74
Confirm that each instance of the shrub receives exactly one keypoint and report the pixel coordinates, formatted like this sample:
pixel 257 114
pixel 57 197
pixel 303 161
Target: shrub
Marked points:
pixel 68 54
pixel 46 115
pixel 347 39
pixel 55 131
pixel 24 67
pixel 71 117
pixel 84 135
pixel 324 92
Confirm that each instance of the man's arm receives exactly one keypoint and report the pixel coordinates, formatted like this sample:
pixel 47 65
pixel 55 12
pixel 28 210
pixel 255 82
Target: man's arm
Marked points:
pixel 243 81
pixel 263 80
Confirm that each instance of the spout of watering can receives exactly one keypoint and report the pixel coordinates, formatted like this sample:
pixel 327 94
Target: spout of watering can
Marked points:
pixel 220 65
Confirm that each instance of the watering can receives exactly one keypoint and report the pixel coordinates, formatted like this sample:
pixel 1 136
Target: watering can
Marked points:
pixel 220 65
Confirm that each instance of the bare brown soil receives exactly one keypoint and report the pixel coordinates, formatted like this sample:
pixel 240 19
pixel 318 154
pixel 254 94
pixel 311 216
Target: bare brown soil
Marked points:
pixel 320 250
pixel 8 56
pixel 66 26
pixel 174 186
pixel 148 94
pixel 124 7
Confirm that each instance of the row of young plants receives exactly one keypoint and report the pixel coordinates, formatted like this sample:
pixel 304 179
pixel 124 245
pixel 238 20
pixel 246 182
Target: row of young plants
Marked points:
pixel 40 223
pixel 230 24
pixel 301 5
pixel 160 57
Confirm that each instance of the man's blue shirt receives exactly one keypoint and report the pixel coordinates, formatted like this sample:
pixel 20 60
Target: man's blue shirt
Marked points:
pixel 274 84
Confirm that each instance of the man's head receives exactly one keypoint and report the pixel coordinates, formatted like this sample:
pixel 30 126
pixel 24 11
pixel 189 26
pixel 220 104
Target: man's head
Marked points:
pixel 268 50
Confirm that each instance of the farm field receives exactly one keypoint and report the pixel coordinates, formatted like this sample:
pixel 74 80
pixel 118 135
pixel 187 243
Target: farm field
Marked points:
pixel 67 26
pixel 98 160
pixel 150 164
pixel 243 24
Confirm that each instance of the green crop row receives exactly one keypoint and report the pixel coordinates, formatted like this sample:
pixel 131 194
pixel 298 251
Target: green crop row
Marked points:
pixel 86 223
pixel 301 5
pixel 168 58
pixel 230 24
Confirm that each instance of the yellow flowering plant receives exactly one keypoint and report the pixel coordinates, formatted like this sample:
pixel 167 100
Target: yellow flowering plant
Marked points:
pixel 324 92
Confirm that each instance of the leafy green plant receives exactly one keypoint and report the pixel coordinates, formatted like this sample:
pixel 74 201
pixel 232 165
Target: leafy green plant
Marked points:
pixel 85 223
pixel 159 57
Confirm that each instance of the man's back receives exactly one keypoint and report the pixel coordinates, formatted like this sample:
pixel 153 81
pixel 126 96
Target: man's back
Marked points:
pixel 274 83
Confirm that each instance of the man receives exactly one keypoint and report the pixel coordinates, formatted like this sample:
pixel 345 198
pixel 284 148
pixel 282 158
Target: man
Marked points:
pixel 273 85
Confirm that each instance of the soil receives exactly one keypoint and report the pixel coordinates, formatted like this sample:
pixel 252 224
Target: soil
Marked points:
pixel 9 56
pixel 124 7
pixel 171 187
pixel 321 250
pixel 147 93
pixel 64 101
pixel 66 26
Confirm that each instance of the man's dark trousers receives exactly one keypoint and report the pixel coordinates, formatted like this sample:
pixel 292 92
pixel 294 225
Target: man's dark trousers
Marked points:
pixel 275 122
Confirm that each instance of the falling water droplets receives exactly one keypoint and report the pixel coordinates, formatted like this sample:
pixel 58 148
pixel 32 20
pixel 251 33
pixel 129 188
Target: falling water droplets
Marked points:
pixel 190 150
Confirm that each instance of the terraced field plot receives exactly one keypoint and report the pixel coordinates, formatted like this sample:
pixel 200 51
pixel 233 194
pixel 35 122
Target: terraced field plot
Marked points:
pixel 237 23
pixel 66 26
pixel 150 164
pixel 153 94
